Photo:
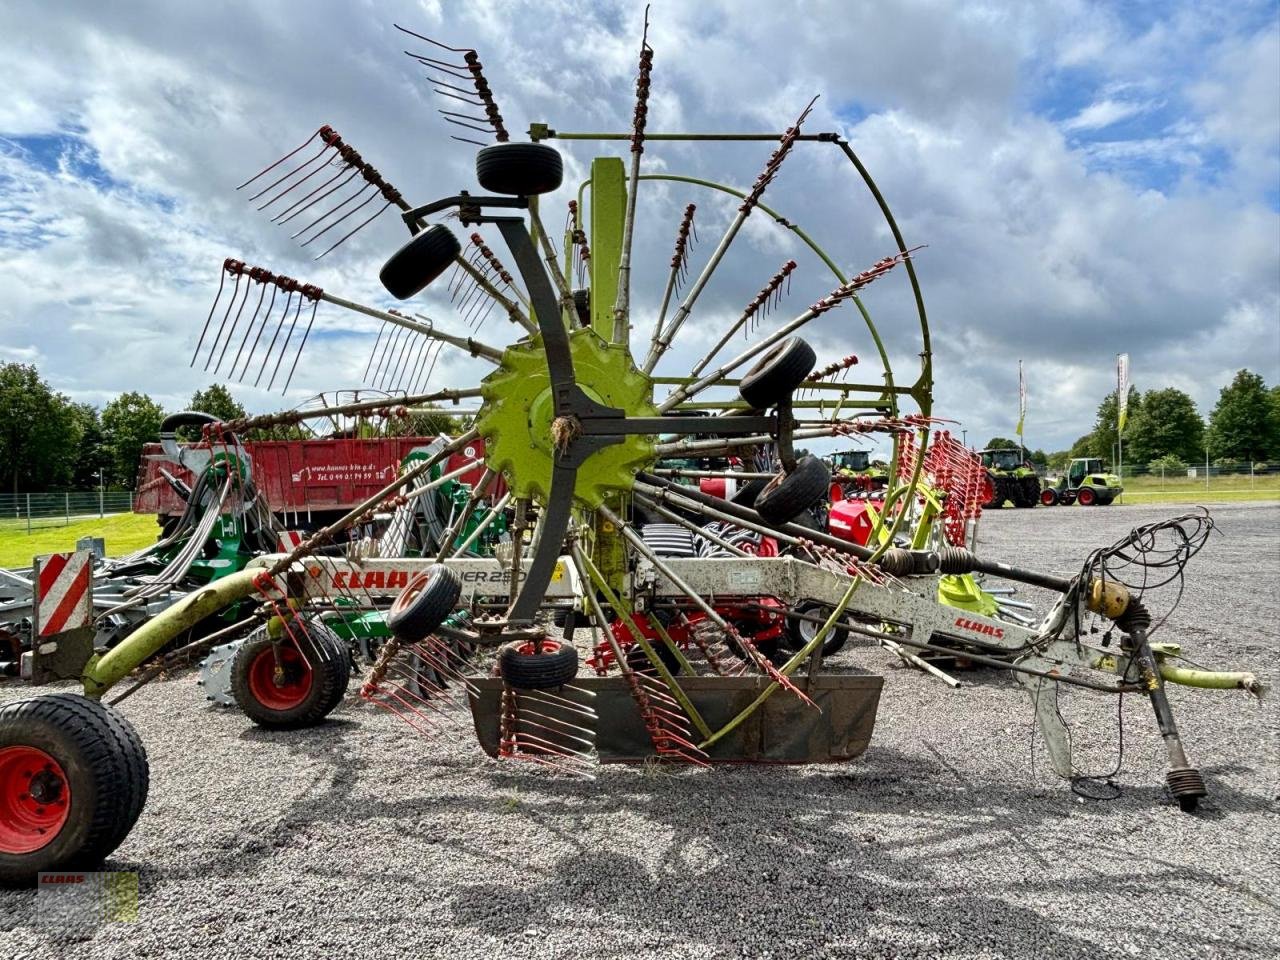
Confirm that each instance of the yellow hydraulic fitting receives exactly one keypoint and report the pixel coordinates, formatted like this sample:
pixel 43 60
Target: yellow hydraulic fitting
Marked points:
pixel 1108 598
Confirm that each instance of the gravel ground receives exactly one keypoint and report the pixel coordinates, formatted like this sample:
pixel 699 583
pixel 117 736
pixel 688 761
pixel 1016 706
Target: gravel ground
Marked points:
pixel 947 838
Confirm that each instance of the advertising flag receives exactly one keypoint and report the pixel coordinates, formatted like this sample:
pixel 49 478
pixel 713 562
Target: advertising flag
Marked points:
pixel 1122 388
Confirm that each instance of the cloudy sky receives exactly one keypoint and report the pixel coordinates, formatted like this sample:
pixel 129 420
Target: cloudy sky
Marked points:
pixel 1088 178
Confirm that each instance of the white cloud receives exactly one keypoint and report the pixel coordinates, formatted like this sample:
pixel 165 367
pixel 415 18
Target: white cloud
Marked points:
pixel 1033 251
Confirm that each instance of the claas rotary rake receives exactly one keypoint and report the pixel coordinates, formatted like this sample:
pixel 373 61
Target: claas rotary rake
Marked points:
pixel 575 415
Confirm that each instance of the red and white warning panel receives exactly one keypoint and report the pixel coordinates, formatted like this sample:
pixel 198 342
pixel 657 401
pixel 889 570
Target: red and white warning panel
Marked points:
pixel 63 591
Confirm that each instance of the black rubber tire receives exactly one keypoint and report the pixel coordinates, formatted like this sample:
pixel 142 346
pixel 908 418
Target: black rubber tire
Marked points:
pixel 795 632
pixel 419 262
pixel 749 492
pixel 555 666
pixel 424 604
pixel 1049 497
pixel 522 169
pixel 998 494
pixel 582 305
pixel 107 775
pixel 1086 497
pixel 794 493
pixel 329 678
pixel 1105 501
pixel 777 374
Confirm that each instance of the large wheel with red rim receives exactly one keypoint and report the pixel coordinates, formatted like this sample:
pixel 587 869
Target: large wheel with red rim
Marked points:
pixel 1049 497
pixel 1086 497
pixel 293 682
pixel 73 780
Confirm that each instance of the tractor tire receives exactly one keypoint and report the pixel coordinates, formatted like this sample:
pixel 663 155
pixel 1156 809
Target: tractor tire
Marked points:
pixel 419 262
pixel 1105 500
pixel 1049 498
pixel 749 492
pixel 800 632
pixel 789 495
pixel 777 374
pixel 92 774
pixel 582 305
pixel 524 669
pixel 1086 497
pixel 520 169
pixel 311 686
pixel 424 604
pixel 994 487
pixel 1028 492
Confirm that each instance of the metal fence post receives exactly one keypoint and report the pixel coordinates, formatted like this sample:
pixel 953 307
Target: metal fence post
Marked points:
pixel 66 508
pixel 28 513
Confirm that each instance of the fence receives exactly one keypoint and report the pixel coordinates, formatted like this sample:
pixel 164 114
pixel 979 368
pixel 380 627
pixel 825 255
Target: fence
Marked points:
pixel 29 511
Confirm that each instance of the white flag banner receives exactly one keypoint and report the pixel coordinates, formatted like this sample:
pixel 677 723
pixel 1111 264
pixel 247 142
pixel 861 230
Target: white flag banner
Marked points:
pixel 1122 388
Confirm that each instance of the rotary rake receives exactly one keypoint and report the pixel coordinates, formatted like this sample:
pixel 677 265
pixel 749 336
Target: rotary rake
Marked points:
pixel 575 416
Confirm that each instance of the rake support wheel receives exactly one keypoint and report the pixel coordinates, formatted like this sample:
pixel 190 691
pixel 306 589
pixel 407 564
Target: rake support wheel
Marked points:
pixel 520 169
pixel 525 668
pixel 280 687
pixel 777 374
pixel 417 264
pixel 795 492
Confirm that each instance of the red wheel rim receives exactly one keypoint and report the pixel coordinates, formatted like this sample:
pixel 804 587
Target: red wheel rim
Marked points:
pixel 1047 498
pixel 294 686
pixel 1085 497
pixel 35 799
pixel 410 592
pixel 548 646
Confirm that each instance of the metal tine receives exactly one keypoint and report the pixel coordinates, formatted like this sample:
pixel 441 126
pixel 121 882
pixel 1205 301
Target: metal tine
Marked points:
pixel 262 294
pixel 436 703
pixel 415 377
pixel 372 353
pixel 243 300
pixel 249 329
pixel 347 236
pixel 389 692
pixel 622 303
pixel 407 370
pixel 288 213
pixel 748 313
pixel 366 189
pixel 679 261
pixel 302 166
pixel 561 703
pixel 550 746
pixel 439 654
pixel 291 153
pixel 469 126
pixel 284 347
pixel 289 188
pixel 433 354
pixel 288 302
pixel 407 343
pixel 222 278
pixel 464 116
pixel 315 304
pixel 276 336
pixel 485 315
pixel 450 69
pixel 749 203
pixel 571 764
pixel 396 334
pixel 525 712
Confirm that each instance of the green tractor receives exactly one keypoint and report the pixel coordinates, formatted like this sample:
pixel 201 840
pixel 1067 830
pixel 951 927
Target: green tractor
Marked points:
pixel 1087 482
pixel 853 470
pixel 1012 478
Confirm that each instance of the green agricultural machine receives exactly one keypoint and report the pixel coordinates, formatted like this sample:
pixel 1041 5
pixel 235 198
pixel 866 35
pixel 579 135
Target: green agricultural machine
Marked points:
pixel 1086 482
pixel 576 414
pixel 1012 477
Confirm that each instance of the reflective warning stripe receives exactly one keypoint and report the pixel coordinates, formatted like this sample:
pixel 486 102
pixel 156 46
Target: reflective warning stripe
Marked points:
pixel 64 592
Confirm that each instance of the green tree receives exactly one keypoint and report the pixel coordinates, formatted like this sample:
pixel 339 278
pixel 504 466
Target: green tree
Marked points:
pixel 1168 464
pixel 1167 424
pixel 1058 460
pixel 215 400
pixel 39 431
pixel 92 453
pixel 1001 443
pixel 129 421
pixel 1243 425
pixel 1101 441
pixel 1039 458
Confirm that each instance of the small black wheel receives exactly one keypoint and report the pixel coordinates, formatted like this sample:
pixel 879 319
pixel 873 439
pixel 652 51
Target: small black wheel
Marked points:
pixel 790 494
pixel 73 780
pixel 424 604
pixel 582 305
pixel 524 668
pixel 800 632
pixel 777 374
pixel 523 169
pixel 280 688
pixel 428 254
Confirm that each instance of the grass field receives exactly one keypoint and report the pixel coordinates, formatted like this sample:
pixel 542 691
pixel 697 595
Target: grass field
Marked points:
pixel 123 532
pixel 1186 489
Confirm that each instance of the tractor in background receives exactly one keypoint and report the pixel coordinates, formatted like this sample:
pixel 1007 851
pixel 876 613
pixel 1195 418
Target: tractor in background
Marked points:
pixel 853 471
pixel 1012 478
pixel 1086 482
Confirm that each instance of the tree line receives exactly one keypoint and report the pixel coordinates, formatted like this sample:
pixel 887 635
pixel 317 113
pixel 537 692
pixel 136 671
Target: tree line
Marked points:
pixel 1165 431
pixel 49 442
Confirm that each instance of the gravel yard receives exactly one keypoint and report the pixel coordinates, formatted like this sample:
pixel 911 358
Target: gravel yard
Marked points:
pixel 949 837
